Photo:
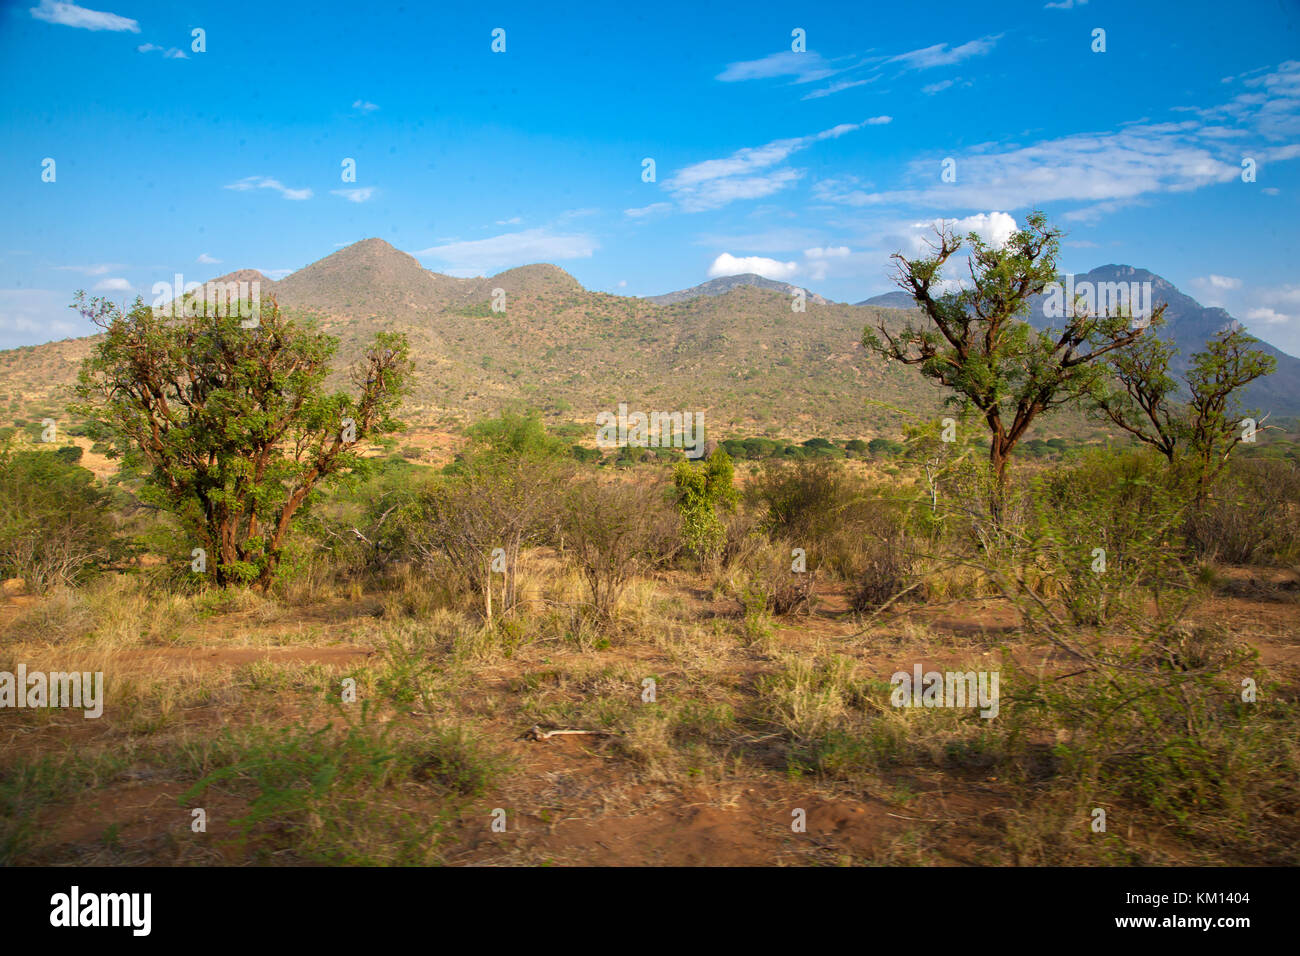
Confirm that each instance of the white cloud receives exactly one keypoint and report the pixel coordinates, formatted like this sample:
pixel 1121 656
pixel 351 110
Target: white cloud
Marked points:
pixel 481 256
pixel 747 173
pixel 994 228
pixel 265 182
pixel 1091 215
pixel 729 265
pixel 1272 109
pixel 805 67
pixel 940 55
pixel 819 259
pixel 169 53
pixel 113 285
pixel 1065 5
pixel 1281 295
pixel 728 189
pixel 930 90
pixel 828 252
pixel 1267 316
pixel 1095 168
pixel 1212 289
pixel 364 106
pixel 654 209
pixel 71 15
pixel 838 87
pixel 514 221
pixel 355 195
pixel 207 260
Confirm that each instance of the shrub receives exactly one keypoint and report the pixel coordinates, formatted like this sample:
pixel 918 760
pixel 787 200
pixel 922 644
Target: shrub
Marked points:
pixel 773 585
pixel 617 530
pixel 1251 516
pixel 1106 535
pixel 887 571
pixel 54 521
pixel 701 491
pixel 800 501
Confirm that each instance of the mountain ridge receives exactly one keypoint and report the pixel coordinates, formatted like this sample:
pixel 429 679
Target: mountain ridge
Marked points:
pixel 739 355
pixel 724 284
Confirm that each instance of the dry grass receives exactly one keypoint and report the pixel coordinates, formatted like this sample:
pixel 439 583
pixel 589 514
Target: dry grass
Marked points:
pixel 751 712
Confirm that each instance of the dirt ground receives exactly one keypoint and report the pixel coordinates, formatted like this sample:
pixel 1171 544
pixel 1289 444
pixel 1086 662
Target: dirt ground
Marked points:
pixel 574 799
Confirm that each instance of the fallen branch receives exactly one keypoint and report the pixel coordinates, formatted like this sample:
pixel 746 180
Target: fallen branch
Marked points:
pixel 536 733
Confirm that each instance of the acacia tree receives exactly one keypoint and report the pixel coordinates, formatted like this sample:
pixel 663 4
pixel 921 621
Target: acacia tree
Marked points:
pixel 975 341
pixel 1196 435
pixel 234 423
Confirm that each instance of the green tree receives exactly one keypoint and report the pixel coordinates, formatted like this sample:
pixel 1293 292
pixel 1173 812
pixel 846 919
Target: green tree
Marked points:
pixel 233 423
pixel 975 341
pixel 1196 435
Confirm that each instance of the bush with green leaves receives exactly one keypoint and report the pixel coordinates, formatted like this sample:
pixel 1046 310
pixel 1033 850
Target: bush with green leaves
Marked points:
pixel 55 521
pixel 1162 724
pixel 1196 435
pixel 702 489
pixel 1106 537
pixel 800 501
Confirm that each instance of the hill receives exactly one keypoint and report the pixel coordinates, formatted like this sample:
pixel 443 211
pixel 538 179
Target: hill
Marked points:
pixel 891 300
pixel 736 352
pixel 725 284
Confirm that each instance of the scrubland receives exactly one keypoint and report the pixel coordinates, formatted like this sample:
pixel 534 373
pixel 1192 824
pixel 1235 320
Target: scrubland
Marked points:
pixel 728 648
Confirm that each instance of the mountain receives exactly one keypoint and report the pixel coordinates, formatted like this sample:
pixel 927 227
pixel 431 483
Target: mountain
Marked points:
pixel 736 352
pixel 1188 325
pixel 370 276
pixel 725 284
pixel 249 276
pixel 890 300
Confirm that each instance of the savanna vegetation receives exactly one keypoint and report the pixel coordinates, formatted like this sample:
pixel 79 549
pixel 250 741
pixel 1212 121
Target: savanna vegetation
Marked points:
pixel 369 666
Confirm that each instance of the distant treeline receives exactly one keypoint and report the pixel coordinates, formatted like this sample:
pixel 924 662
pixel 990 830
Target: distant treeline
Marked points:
pixel 1285 447
pixel 756 449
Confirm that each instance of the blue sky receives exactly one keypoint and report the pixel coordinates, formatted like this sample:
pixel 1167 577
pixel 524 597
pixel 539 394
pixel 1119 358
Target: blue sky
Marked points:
pixel 808 166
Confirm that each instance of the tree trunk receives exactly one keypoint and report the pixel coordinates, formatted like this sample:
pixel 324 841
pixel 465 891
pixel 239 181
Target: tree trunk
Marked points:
pixel 998 459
